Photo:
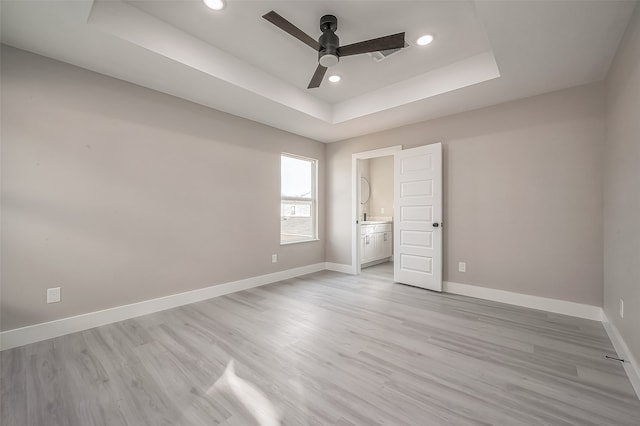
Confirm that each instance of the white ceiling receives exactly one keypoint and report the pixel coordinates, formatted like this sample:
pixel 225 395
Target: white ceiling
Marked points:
pixel 241 32
pixel 235 61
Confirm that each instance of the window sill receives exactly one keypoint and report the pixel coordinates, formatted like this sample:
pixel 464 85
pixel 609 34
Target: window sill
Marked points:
pixel 298 242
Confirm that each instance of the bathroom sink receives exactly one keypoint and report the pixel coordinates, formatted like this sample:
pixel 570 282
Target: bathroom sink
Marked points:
pixel 374 222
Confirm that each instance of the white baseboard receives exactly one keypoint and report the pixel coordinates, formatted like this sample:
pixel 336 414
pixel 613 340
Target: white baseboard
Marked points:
pixel 339 267
pixel 47 330
pixel 376 262
pixel 535 302
pixel 630 365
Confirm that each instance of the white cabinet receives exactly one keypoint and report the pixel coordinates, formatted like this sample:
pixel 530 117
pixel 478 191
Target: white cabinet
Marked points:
pixel 365 249
pixel 375 242
pixel 386 244
pixel 368 248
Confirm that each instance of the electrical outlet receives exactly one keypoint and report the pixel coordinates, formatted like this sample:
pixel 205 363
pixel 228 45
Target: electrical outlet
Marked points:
pixel 274 258
pixel 53 295
pixel 381 210
pixel 621 308
pixel 462 267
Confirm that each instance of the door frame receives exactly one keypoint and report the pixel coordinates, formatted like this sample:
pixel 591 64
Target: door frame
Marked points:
pixel 355 199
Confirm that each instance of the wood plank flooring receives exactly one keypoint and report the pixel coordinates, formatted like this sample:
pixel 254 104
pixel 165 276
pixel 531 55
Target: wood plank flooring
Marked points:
pixel 325 348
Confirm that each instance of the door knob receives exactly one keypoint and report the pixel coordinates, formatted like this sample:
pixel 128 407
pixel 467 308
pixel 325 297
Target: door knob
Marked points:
pixel 435 225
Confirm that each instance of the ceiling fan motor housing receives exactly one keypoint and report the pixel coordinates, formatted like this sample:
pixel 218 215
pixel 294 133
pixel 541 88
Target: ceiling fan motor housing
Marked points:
pixel 329 41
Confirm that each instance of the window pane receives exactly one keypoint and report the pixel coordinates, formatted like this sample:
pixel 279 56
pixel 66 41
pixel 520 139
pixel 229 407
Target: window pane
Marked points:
pixel 298 199
pixel 296 221
pixel 296 177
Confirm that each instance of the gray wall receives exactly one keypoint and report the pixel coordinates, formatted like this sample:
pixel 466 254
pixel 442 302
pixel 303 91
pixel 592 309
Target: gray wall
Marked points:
pixel 381 179
pixel 622 189
pixel 522 193
pixel 379 173
pixel 120 194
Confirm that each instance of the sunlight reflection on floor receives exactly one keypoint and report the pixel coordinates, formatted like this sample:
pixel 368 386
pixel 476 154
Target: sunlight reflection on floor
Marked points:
pixel 252 398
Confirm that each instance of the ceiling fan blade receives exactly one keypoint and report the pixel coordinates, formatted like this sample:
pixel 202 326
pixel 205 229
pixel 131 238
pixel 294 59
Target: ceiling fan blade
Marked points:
pixel 288 27
pixel 395 41
pixel 317 77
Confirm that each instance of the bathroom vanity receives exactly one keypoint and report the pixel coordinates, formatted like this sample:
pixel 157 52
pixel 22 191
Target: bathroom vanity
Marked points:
pixel 376 242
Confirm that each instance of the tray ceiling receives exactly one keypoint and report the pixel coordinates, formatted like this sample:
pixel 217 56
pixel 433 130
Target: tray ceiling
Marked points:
pixel 484 53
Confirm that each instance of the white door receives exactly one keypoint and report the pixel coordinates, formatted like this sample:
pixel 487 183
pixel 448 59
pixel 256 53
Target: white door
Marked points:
pixel 417 227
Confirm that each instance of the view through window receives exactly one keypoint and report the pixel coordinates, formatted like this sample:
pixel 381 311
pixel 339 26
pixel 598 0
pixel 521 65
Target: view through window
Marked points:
pixel 298 199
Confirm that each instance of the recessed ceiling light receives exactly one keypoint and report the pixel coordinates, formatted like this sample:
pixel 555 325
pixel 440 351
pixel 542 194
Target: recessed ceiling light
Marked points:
pixel 424 40
pixel 334 78
pixel 215 4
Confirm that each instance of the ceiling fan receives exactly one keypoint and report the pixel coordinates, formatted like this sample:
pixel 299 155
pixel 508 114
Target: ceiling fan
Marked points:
pixel 328 45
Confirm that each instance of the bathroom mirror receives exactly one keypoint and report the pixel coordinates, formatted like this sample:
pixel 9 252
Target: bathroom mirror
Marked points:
pixel 365 190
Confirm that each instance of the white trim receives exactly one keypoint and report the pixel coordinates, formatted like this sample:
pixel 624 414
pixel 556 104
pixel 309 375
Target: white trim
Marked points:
pixel 375 153
pixel 339 267
pixel 375 262
pixel 534 302
pixel 630 365
pixel 301 241
pixel 355 201
pixel 47 330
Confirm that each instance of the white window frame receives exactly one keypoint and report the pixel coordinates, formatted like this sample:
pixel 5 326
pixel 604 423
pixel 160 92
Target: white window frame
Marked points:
pixel 313 198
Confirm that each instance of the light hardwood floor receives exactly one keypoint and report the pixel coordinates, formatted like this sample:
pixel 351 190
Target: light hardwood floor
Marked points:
pixel 325 348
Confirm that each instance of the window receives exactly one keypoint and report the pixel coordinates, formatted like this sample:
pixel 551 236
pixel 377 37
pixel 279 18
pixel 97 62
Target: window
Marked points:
pixel 298 203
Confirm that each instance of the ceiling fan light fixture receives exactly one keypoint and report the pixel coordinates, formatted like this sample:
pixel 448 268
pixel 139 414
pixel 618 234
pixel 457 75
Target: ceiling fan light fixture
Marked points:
pixel 328 60
pixel 334 78
pixel 215 4
pixel 424 40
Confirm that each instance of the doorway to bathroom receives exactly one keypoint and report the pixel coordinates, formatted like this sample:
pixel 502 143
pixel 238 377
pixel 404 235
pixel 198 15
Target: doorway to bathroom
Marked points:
pixel 373 193
pixel 397 213
pixel 376 210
